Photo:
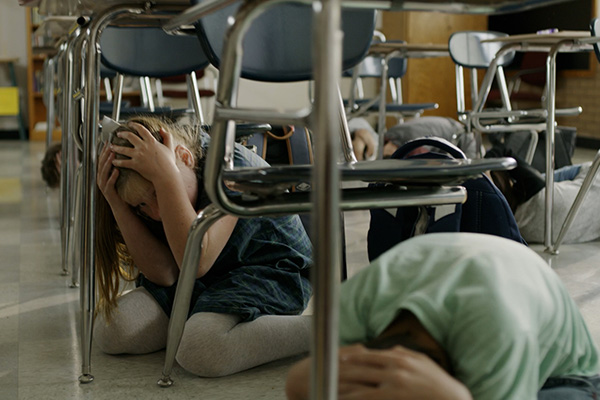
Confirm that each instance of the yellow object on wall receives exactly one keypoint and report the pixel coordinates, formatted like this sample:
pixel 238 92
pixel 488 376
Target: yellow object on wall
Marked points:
pixel 9 101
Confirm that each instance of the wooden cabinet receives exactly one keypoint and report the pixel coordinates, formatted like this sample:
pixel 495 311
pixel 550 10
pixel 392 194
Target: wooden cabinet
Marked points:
pixel 430 79
pixel 36 55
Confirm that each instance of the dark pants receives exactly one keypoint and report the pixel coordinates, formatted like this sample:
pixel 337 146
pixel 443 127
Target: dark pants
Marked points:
pixel 571 388
pixel 527 181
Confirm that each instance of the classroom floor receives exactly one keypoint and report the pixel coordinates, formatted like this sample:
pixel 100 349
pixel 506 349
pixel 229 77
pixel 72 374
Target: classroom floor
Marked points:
pixel 39 323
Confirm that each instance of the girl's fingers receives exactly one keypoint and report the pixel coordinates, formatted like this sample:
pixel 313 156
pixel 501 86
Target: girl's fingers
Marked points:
pixel 131 137
pixel 103 162
pixel 123 163
pixel 124 150
pixel 167 138
pixel 105 166
pixel 112 179
pixel 142 131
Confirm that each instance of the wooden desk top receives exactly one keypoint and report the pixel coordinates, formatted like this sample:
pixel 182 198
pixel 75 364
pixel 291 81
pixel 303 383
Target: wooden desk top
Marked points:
pixel 542 38
pixel 410 50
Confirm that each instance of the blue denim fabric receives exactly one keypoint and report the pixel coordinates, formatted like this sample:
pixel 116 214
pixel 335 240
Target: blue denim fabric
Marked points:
pixel 571 388
pixel 567 173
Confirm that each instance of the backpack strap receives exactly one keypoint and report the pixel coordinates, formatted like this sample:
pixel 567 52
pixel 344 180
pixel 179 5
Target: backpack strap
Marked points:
pixel 432 141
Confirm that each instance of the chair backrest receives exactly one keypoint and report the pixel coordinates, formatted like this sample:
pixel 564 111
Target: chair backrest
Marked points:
pixel 595 31
pixel 467 50
pixel 106 72
pixel 277 46
pixel 370 66
pixel 150 52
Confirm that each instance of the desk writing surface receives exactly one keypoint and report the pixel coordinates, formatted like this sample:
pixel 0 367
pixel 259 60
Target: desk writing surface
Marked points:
pixel 410 49
pixel 542 38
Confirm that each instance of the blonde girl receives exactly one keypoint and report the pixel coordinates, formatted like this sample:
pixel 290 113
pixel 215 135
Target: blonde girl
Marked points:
pixel 252 282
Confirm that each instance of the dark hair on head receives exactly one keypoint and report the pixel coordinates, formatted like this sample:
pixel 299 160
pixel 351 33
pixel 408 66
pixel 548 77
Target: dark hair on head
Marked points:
pixel 50 167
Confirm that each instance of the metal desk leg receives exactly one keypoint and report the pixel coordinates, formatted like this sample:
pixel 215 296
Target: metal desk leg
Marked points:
pixel 87 293
pixel 326 195
pixel 551 118
pixel 381 120
pixel 91 118
pixel 185 286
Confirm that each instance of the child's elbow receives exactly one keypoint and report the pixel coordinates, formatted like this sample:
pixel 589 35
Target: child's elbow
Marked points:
pixel 167 279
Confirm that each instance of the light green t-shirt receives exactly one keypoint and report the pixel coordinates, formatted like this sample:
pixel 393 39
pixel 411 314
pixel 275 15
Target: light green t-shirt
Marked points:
pixel 501 313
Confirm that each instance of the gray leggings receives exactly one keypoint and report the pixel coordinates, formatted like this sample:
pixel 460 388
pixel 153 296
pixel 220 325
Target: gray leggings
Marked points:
pixel 212 344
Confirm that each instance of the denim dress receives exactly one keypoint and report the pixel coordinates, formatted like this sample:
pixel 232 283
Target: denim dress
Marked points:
pixel 263 269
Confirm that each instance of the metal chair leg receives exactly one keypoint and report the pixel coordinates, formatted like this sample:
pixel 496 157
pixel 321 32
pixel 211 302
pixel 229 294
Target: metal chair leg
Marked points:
pixel 185 285
pixel 194 96
pixel 326 201
pixel 50 72
pixel 76 225
pixel 583 191
pixel 533 141
pixel 68 150
pixel 550 131
pixel 116 112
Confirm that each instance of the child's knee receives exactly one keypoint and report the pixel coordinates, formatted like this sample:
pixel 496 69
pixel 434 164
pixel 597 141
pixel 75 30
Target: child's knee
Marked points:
pixel 206 358
pixel 206 352
pixel 114 337
pixel 106 336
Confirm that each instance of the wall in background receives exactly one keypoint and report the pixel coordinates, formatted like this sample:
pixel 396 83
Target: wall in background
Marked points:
pixel 13 44
pixel 584 92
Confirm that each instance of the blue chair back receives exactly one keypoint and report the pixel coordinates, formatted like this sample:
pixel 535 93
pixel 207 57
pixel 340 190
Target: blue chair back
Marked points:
pixel 277 46
pixel 150 52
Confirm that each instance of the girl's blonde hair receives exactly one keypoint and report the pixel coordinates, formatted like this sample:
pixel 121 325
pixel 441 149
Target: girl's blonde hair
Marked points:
pixel 113 261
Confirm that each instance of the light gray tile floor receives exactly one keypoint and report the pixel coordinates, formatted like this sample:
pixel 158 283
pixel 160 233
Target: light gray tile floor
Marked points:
pixel 39 313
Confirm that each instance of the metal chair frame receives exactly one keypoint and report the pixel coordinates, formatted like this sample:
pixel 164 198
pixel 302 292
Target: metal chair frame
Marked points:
pixel 490 120
pixel 325 201
pixel 371 67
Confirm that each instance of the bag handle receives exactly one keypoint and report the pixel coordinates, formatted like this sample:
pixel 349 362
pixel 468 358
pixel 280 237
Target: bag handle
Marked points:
pixel 439 143
pixel 288 131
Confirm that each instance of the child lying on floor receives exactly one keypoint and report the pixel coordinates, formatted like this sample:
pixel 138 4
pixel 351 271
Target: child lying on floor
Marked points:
pixel 525 190
pixel 459 316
